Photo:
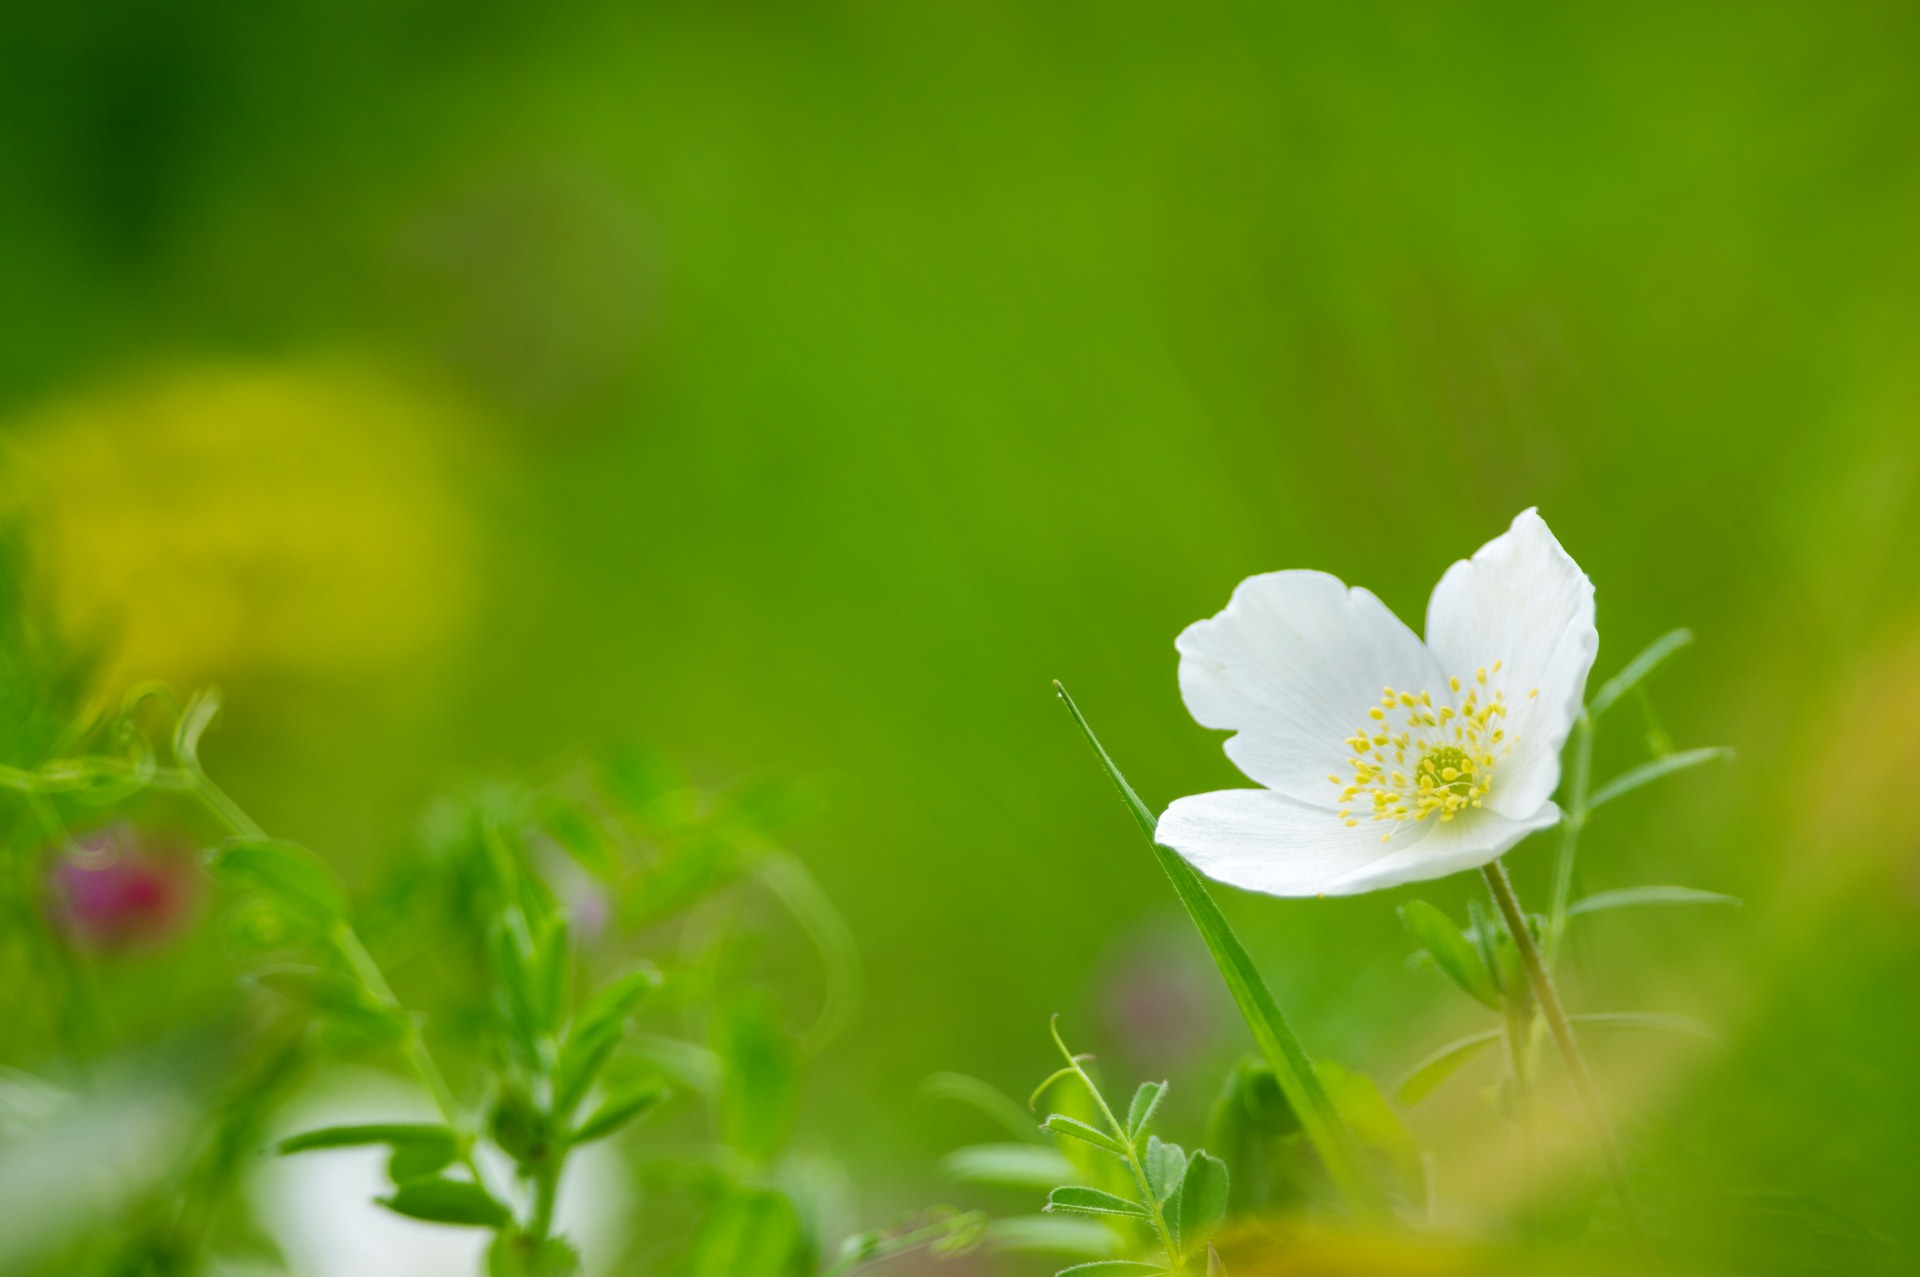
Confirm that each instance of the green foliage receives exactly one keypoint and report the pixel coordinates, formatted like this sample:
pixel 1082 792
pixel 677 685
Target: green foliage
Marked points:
pixel 755 1233
pixel 286 873
pixel 1178 1200
pixel 395 1135
pixel 1457 957
pixel 438 1200
pixel 1291 1065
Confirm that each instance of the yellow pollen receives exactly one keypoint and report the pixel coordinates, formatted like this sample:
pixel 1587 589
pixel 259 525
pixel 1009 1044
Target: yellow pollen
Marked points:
pixel 1453 750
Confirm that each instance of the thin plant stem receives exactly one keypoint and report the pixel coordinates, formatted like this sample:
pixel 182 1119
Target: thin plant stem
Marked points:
pixel 1556 1017
pixel 1121 1133
pixel 413 1047
pixel 546 1193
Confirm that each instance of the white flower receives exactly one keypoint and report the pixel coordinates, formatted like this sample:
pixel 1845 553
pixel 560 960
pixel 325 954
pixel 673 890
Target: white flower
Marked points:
pixel 1384 759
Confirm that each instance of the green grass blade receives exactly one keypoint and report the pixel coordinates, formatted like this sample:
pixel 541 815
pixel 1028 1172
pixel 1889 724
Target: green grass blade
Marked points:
pixel 1658 1021
pixel 1291 1064
pixel 1633 897
pixel 1651 658
pixel 1646 773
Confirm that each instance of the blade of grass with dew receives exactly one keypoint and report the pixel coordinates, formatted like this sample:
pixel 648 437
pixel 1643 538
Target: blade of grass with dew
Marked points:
pixel 1291 1064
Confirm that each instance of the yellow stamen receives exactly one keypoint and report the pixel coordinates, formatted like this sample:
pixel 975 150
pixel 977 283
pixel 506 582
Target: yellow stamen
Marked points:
pixel 1454 749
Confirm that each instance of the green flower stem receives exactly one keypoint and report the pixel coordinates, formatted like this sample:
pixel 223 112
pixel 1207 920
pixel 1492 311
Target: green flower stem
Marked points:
pixel 1556 1017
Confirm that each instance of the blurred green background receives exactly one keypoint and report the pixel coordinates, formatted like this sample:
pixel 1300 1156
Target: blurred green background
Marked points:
pixel 797 389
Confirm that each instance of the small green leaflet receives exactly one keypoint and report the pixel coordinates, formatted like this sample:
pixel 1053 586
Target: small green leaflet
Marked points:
pixel 1201 1202
pixel 1075 1199
pixel 1451 951
pixel 619 1108
pixel 1166 1165
pixel 1113 1266
pixel 447 1201
pixel 1060 1124
pixel 393 1134
pixel 287 873
pixel 1146 1102
pixel 335 995
pixel 1426 1077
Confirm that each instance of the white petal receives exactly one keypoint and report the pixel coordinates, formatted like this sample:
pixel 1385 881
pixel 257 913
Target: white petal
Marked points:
pixel 1291 666
pixel 1523 601
pixel 1262 841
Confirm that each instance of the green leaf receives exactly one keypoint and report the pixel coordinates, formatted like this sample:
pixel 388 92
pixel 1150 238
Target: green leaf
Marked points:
pixel 1630 897
pixel 335 996
pixel 1291 1064
pixel 1452 952
pixel 447 1201
pixel 419 1161
pixel 1650 659
pixel 618 999
pixel 1146 1102
pixel 754 1233
pixel 395 1135
pixel 694 1067
pixel 597 1030
pixel 760 1097
pixel 1370 1116
pixel 1052 1235
pixel 618 1109
pixel 1114 1266
pixel 1249 1127
pixel 1216 1267
pixel 1202 1201
pixel 1077 1199
pixel 1647 773
pixel 287 872
pixel 1011 1165
pixel 1166 1166
pixel 553 973
pixel 1060 1124
pixel 1424 1078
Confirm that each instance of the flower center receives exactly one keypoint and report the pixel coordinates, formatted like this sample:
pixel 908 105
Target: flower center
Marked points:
pixel 1416 759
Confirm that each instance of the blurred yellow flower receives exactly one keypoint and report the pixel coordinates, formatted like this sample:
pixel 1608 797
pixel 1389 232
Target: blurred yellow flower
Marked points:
pixel 220 519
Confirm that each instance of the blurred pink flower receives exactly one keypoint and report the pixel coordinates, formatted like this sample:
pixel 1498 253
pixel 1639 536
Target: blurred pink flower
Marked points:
pixel 119 886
